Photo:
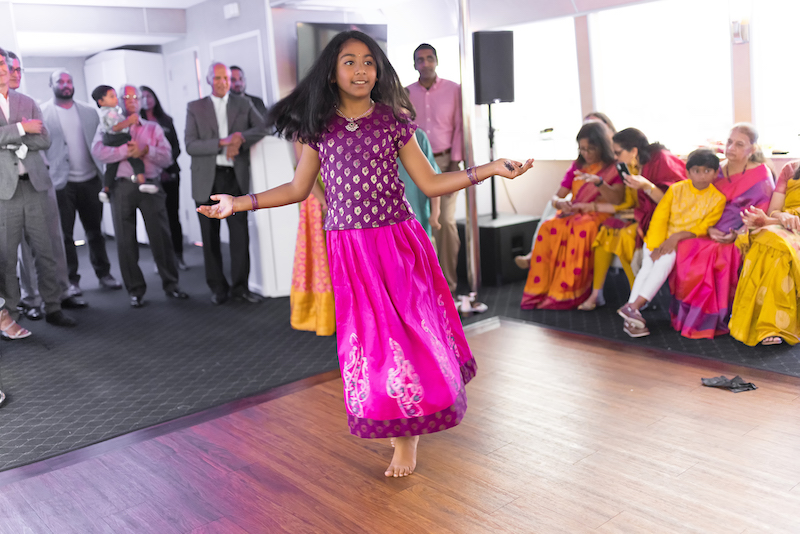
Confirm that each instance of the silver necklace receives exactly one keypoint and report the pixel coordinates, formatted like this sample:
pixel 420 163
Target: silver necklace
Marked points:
pixel 351 123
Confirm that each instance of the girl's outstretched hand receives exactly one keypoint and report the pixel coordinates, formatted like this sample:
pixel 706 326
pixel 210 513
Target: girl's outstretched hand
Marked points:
pixel 220 210
pixel 508 168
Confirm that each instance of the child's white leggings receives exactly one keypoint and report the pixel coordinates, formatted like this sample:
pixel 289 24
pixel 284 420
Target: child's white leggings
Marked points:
pixel 652 275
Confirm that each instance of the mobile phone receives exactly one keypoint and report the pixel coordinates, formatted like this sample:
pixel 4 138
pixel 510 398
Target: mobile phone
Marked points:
pixel 622 169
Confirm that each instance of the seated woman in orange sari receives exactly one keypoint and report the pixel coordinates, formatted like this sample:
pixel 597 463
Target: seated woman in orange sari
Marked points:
pixel 652 169
pixel 706 273
pixel 765 308
pixel 560 276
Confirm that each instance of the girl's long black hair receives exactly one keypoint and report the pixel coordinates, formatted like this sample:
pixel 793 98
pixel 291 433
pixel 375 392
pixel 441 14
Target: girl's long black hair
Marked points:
pixel 304 114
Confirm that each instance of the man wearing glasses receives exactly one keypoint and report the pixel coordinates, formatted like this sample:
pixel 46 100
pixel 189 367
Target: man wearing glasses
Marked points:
pixel 24 202
pixel 149 144
pixel 31 303
pixel 76 177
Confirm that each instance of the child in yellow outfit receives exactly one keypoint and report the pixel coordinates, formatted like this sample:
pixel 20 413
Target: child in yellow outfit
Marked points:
pixel 689 208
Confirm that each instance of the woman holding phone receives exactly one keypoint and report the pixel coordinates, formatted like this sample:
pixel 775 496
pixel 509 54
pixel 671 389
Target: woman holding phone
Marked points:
pixel 648 169
pixel 560 275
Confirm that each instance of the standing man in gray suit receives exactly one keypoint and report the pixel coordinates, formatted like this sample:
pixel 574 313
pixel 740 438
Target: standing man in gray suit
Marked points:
pixel 31 302
pixel 220 130
pixel 76 176
pixel 24 201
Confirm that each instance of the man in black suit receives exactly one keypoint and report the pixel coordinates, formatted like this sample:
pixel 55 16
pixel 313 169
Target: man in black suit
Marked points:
pixel 238 87
pixel 220 129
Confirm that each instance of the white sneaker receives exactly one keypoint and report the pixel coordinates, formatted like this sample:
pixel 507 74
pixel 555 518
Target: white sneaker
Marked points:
pixel 150 189
pixel 103 196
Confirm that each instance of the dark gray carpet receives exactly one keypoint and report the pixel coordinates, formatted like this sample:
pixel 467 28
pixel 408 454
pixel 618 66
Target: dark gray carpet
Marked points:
pixel 604 323
pixel 123 369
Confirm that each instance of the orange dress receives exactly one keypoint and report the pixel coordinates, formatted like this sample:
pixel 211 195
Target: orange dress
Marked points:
pixel 561 272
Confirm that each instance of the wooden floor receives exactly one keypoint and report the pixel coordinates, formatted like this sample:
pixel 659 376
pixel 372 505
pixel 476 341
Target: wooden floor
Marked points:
pixel 563 434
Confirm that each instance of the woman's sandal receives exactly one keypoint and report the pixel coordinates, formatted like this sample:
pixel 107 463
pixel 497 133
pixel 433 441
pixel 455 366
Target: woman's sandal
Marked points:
pixel 11 329
pixel 587 305
pixel 771 340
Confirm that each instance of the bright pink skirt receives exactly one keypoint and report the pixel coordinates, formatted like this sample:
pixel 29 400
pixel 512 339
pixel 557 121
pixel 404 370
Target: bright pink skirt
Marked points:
pixel 402 351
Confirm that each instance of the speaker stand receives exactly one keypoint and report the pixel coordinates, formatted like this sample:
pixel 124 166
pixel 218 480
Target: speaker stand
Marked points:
pixel 491 158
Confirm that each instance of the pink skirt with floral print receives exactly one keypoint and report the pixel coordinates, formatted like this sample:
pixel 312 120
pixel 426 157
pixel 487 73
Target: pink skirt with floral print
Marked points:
pixel 402 351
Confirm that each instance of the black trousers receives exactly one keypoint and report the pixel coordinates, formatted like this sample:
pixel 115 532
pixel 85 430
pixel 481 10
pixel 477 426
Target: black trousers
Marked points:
pixel 225 182
pixel 125 200
pixel 172 189
pixel 81 197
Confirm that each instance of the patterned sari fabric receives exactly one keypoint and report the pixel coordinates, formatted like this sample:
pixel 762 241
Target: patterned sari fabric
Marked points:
pixel 766 297
pixel 311 296
pixel 706 273
pixel 560 277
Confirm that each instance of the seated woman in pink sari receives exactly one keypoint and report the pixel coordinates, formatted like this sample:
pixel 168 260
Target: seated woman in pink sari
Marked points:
pixel 703 282
pixel 560 275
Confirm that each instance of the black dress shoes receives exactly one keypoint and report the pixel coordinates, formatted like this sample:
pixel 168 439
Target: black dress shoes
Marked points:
pixel 109 282
pixel 58 318
pixel 219 298
pixel 247 296
pixel 74 303
pixel 32 313
pixel 176 294
pixel 137 302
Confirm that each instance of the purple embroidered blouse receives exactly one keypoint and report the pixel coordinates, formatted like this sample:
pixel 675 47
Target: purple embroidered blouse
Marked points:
pixel 359 170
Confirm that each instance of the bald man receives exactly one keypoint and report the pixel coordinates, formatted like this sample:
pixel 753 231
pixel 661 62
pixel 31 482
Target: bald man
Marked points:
pixel 76 177
pixel 220 129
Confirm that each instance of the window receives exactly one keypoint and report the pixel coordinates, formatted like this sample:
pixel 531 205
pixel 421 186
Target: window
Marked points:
pixel 776 79
pixel 546 95
pixel 665 68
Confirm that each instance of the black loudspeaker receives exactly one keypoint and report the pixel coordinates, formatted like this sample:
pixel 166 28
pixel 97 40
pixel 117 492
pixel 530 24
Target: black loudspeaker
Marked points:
pixel 493 53
pixel 501 240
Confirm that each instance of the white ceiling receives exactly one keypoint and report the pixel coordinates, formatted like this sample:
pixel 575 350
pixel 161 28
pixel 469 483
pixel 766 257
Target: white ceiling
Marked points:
pixel 52 44
pixel 487 13
pixel 171 4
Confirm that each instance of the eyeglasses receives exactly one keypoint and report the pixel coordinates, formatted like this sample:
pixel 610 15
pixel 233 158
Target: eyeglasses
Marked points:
pixel 18 70
pixel 130 97
pixel 587 149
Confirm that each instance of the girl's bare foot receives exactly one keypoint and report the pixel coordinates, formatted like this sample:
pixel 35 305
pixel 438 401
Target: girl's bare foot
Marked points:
pixel 405 457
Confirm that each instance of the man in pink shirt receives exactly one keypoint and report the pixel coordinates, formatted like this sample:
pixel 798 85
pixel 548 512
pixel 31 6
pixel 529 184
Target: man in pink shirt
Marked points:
pixel 438 106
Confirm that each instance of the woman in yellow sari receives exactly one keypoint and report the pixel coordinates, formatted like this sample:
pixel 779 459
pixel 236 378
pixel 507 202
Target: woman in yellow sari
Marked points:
pixel 560 275
pixel 311 296
pixel 651 170
pixel 765 306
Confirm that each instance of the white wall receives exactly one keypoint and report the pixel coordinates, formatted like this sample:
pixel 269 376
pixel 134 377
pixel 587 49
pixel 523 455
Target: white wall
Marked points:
pixel 36 78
